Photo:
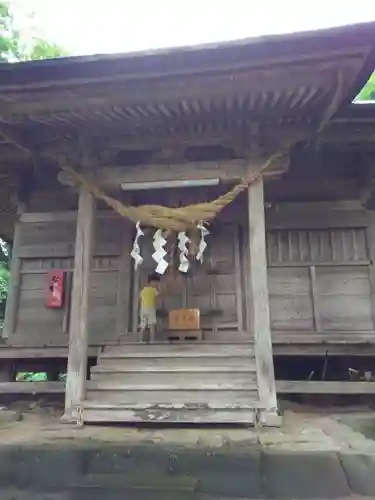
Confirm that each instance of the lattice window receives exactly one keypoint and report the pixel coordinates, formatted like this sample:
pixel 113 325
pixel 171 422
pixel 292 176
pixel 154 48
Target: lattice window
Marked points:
pixel 317 246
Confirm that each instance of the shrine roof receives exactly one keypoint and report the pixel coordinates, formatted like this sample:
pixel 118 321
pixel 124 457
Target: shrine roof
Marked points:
pixel 264 89
pixel 275 79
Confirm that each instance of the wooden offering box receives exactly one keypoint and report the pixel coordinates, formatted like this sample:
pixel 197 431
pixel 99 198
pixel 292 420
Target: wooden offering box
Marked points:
pixel 184 319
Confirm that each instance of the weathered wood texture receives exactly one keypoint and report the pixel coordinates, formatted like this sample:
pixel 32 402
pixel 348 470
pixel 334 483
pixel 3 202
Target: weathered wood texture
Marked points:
pixel 316 215
pixel 12 305
pixel 319 280
pixel 164 382
pixel 259 304
pixel 47 241
pixel 326 387
pixel 214 286
pixel 315 272
pixel 79 317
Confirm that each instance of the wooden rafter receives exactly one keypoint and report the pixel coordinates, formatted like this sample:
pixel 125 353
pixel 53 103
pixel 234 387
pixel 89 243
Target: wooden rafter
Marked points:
pixel 14 138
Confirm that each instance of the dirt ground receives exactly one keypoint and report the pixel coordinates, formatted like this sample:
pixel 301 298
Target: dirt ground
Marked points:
pixel 329 453
pixel 304 428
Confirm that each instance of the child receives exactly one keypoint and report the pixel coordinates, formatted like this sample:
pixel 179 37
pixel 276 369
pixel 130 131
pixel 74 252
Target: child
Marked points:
pixel 148 296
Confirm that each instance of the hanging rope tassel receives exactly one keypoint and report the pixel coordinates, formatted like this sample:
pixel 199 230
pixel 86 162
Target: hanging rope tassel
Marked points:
pixel 160 253
pixel 202 245
pixel 136 251
pixel 183 240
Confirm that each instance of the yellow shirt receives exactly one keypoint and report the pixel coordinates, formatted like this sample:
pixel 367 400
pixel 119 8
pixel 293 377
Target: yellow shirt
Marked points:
pixel 148 297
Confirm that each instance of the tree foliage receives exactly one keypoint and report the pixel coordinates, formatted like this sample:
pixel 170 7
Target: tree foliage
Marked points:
pixel 15 47
pixel 4 276
pixel 368 91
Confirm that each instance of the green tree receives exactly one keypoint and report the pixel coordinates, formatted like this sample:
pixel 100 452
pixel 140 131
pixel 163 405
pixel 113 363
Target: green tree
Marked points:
pixel 368 91
pixel 4 276
pixel 15 47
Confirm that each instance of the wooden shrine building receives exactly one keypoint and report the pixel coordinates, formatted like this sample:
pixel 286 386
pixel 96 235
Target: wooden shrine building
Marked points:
pixel 288 270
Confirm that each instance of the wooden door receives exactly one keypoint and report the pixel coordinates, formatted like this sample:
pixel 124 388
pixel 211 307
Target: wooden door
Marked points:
pixel 213 287
pixel 222 272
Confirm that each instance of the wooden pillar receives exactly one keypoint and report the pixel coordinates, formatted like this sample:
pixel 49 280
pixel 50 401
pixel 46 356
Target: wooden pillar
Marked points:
pixel 259 302
pixel 78 329
pixel 11 308
pixel 123 307
pixel 370 235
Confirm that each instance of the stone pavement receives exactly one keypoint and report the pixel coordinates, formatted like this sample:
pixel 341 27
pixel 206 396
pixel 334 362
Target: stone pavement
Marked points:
pixel 310 457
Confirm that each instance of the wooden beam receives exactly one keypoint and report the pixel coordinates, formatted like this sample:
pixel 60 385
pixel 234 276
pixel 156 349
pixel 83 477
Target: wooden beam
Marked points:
pixel 329 387
pixel 370 235
pixel 282 386
pixel 52 352
pixel 78 340
pixel 18 140
pixel 32 387
pixel 259 301
pixel 325 337
pixel 316 215
pixel 226 171
pixel 11 310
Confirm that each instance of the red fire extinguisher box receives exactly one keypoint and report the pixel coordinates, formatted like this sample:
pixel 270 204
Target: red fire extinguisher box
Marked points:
pixel 55 289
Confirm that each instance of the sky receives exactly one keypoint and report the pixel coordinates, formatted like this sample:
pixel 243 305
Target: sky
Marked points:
pixel 107 26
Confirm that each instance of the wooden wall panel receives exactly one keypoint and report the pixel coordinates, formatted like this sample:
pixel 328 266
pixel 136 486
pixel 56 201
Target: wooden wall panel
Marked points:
pixel 344 298
pixel 109 235
pixel 47 239
pixel 49 244
pixel 103 305
pixel 320 280
pixel 291 306
pixel 36 324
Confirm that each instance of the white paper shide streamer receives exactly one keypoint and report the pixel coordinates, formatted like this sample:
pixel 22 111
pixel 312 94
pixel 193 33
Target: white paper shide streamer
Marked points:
pixel 136 251
pixel 183 240
pixel 160 253
pixel 202 244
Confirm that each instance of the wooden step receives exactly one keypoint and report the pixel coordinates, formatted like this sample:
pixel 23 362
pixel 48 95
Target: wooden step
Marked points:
pixel 176 363
pixel 167 349
pixel 137 394
pixel 159 414
pixel 171 380
pixel 106 368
